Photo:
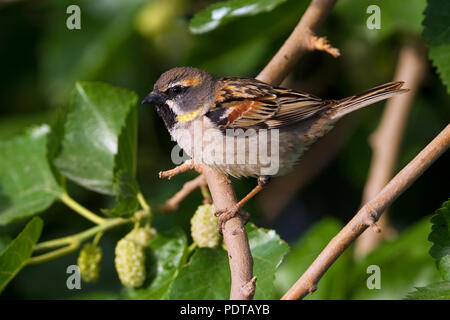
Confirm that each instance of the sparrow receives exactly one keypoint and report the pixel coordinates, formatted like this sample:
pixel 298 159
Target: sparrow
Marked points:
pixel 205 115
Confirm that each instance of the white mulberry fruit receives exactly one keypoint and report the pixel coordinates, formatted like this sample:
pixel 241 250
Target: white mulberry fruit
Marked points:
pixel 142 236
pixel 130 263
pixel 204 227
pixel 89 262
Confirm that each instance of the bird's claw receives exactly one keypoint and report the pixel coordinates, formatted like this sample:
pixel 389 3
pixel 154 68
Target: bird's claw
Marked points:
pixel 227 214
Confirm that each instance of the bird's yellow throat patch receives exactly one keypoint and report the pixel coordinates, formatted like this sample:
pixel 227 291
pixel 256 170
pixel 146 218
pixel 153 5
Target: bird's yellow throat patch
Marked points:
pixel 188 116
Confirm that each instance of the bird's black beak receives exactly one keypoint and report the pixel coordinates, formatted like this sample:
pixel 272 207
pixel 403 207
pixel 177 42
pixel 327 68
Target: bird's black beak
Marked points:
pixel 154 98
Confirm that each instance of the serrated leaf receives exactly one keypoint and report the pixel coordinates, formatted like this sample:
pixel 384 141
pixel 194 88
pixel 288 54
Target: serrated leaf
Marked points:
pixel 223 12
pixel 434 291
pixel 168 253
pixel 207 275
pixel 302 254
pixel 440 236
pixel 27 185
pixel 437 37
pixel 14 257
pixel 94 123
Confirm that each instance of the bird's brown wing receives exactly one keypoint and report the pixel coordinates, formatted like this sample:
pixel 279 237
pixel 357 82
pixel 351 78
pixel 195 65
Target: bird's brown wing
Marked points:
pixel 249 103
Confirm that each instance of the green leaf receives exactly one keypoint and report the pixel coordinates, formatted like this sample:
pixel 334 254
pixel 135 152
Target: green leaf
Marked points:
pixel 14 257
pixel 223 12
pixel 125 185
pixel 437 37
pixel 395 16
pixel 246 44
pixel 126 189
pixel 167 253
pixel 4 241
pixel 268 251
pixel 440 236
pixel 304 251
pixel 94 124
pixel 127 158
pixel 27 185
pixel 434 291
pixel 207 275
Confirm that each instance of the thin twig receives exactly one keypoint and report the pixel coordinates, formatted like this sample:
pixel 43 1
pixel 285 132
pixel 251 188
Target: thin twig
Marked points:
pixel 53 254
pixel 80 237
pixel 301 40
pixel 368 215
pixel 185 166
pixel 386 139
pixel 173 203
pixel 75 206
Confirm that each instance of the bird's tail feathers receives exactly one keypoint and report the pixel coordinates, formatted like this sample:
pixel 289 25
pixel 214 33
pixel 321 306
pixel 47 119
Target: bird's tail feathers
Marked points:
pixel 366 98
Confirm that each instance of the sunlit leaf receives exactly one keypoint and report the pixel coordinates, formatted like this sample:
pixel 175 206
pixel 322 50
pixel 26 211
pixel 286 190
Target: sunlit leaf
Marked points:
pixel 268 251
pixel 222 12
pixel 94 124
pixel 27 185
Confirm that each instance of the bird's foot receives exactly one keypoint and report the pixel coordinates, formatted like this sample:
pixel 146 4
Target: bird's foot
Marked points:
pixel 227 214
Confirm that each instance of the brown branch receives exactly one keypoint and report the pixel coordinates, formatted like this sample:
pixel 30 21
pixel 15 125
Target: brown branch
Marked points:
pixel 173 203
pixel 234 235
pixel 368 215
pixel 386 139
pixel 301 40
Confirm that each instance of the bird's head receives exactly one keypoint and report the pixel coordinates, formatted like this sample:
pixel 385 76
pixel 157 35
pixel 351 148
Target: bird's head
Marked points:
pixel 182 94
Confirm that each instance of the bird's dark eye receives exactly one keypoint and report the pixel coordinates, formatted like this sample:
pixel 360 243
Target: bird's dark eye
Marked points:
pixel 175 90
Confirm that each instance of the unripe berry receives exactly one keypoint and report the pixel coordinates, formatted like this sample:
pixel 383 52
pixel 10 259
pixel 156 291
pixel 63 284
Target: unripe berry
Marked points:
pixel 130 263
pixel 89 262
pixel 142 236
pixel 204 227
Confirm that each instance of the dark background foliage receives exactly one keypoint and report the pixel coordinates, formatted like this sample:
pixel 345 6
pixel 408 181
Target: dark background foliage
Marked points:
pixel 130 43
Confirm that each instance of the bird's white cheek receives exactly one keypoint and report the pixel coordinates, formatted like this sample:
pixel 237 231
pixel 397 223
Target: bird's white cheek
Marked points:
pixel 174 106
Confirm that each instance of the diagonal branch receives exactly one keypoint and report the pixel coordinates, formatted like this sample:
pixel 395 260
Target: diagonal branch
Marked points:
pixel 368 215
